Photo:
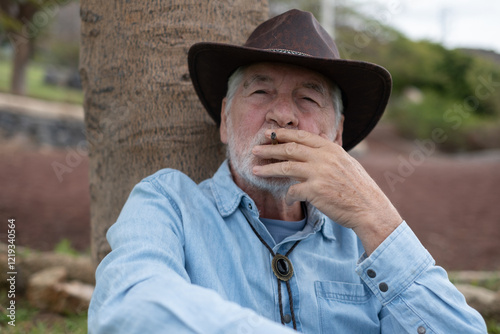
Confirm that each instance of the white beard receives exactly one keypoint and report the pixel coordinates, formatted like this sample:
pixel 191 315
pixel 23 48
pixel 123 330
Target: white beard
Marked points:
pixel 242 161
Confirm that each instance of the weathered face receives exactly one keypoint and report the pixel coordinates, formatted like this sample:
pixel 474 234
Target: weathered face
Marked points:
pixel 272 96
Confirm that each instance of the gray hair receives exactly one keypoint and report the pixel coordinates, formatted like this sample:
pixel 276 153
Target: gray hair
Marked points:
pixel 236 79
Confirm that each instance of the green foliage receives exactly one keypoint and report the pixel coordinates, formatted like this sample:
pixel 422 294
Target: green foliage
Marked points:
pixel 460 91
pixel 4 75
pixel 62 54
pixel 64 247
pixel 493 326
pixel 454 67
pixel 16 23
pixel 462 128
pixel 8 23
pixel 36 86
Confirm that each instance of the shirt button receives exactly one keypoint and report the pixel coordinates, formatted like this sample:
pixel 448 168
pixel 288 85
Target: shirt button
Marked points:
pixel 421 330
pixel 287 318
pixel 371 273
pixel 250 206
pixel 383 287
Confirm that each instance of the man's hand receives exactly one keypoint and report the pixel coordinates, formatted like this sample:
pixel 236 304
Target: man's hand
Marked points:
pixel 332 181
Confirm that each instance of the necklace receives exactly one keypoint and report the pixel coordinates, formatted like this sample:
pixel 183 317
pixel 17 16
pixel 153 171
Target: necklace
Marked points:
pixel 283 270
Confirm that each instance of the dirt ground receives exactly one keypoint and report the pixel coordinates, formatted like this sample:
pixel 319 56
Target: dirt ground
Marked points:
pixel 451 202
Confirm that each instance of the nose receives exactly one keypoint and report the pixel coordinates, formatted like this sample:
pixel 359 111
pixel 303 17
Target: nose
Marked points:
pixel 283 112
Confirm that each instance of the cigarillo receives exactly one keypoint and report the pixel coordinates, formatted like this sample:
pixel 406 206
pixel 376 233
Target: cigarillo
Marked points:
pixel 274 141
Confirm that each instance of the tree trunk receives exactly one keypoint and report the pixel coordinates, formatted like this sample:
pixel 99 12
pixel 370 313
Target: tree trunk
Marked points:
pixel 22 41
pixel 141 112
pixel 21 54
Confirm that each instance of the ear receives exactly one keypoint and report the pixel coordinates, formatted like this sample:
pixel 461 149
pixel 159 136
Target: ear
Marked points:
pixel 223 123
pixel 340 129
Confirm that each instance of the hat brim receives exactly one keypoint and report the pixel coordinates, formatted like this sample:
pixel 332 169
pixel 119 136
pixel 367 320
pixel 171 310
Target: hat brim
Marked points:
pixel 365 87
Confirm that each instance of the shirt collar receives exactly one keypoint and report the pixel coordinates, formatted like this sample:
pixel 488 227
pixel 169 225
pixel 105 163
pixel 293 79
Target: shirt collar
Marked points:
pixel 228 197
pixel 320 222
pixel 227 194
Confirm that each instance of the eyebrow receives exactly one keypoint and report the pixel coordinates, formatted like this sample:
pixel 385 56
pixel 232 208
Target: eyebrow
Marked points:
pixel 316 87
pixel 256 78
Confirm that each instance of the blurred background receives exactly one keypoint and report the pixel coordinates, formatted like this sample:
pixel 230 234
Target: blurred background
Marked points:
pixel 436 152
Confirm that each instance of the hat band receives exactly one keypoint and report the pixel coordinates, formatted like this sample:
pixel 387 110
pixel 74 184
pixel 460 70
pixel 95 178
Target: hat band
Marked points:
pixel 296 53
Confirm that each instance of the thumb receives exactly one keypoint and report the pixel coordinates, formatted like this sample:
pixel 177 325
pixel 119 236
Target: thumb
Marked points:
pixel 294 194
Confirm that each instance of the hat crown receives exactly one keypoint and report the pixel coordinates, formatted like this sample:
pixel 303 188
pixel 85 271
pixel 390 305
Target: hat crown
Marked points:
pixel 295 32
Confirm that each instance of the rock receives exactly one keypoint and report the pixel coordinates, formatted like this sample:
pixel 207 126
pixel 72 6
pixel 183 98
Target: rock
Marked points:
pixel 41 287
pixel 74 297
pixel 64 132
pixel 491 279
pixel 79 268
pixel 47 290
pixel 54 76
pixel 485 301
pixel 476 294
pixel 73 80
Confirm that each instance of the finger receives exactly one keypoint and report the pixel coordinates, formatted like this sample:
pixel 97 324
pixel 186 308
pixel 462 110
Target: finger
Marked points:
pixel 291 169
pixel 296 193
pixel 284 151
pixel 297 136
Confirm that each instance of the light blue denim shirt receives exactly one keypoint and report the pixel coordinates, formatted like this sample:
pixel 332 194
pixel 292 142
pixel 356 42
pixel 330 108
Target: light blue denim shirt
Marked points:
pixel 184 259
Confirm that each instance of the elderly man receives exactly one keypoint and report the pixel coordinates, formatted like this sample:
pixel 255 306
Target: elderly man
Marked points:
pixel 291 232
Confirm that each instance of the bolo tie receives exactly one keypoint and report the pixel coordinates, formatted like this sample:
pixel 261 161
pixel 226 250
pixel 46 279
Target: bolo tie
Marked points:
pixel 283 270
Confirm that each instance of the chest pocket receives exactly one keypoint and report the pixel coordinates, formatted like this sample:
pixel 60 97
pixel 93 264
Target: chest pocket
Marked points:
pixel 347 308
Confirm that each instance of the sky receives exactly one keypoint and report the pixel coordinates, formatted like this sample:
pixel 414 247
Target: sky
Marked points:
pixel 455 23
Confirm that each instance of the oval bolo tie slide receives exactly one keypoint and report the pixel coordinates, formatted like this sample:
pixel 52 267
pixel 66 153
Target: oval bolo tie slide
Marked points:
pixel 282 267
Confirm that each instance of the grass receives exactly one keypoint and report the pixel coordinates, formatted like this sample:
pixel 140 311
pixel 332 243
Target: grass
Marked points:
pixel 64 247
pixel 493 327
pixel 36 87
pixel 30 320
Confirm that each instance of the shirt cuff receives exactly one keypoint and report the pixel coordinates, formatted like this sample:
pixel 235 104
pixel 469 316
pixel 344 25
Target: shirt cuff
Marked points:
pixel 395 264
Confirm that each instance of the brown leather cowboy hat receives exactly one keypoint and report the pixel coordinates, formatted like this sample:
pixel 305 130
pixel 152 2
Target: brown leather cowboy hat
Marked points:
pixel 295 37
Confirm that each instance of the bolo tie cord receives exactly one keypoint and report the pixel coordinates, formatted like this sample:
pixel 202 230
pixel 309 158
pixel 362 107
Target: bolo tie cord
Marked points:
pixel 287 282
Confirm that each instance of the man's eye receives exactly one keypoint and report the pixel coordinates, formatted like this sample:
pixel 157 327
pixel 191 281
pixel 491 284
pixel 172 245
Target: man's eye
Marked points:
pixel 308 99
pixel 260 91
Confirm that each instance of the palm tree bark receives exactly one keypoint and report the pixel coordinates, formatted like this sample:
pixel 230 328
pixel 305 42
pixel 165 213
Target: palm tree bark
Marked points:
pixel 141 112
